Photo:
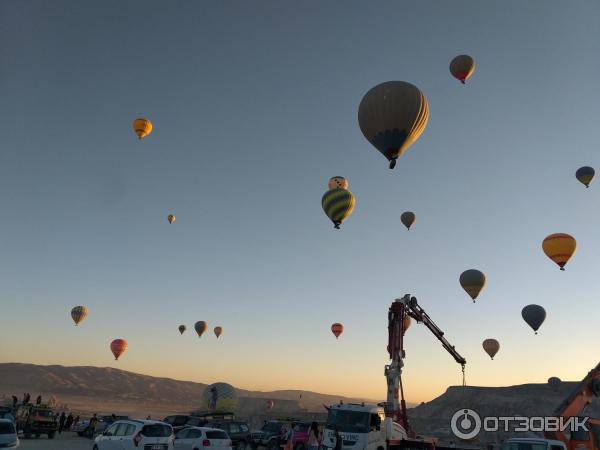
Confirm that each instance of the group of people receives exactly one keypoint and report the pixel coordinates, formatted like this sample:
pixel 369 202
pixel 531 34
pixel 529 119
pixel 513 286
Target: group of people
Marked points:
pixel 314 437
pixel 66 422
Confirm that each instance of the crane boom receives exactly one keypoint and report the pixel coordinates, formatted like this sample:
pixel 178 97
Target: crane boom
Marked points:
pixel 407 306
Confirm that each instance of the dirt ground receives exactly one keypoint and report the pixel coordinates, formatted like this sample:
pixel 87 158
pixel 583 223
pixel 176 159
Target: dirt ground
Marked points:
pixel 66 441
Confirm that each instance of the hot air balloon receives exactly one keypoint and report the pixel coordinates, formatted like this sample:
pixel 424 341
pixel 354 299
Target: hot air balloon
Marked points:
pixel 182 328
pixel 220 397
pixel 171 218
pixel 491 347
pixel 218 331
pixel 270 404
pixel 78 314
pixel 406 323
pixel 337 329
pixel 118 347
pixel 585 175
pixel 554 383
pixel 337 183
pixel 392 116
pixel 200 327
pixel 338 204
pixel 142 127
pixel 559 247
pixel 534 315
pixel 407 218
pixel 472 281
pixel 462 67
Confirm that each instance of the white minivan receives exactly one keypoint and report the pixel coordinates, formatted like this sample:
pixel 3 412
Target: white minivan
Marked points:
pixel 136 435
pixel 202 438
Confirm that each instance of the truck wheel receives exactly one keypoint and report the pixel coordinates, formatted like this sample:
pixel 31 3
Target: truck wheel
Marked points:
pixel 51 435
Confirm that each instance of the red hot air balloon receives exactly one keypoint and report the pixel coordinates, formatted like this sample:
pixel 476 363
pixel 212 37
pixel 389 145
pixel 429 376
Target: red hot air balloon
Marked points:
pixel 118 347
pixel 337 329
pixel 270 404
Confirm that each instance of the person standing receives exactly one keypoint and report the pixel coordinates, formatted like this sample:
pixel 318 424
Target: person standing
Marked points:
pixel 289 438
pixel 69 423
pixel 15 400
pixel 92 426
pixel 61 422
pixel 338 440
pixel 313 436
pixel 38 400
pixel 76 421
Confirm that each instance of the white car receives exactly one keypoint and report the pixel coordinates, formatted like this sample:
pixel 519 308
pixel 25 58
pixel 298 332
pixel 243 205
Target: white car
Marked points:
pixel 8 434
pixel 202 438
pixel 136 435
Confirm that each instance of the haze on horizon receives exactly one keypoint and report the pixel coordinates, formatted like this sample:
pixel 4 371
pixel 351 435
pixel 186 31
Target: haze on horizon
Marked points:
pixel 255 108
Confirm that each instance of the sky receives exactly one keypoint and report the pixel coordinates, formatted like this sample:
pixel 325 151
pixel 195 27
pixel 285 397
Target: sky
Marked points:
pixel 254 106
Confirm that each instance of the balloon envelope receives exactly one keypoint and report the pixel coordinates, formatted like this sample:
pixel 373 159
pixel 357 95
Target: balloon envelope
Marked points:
pixel 118 347
pixel 182 328
pixel 392 116
pixel 337 329
pixel 171 218
pixel 585 175
pixel 534 315
pixel 559 247
pixel 270 404
pixel 472 281
pixel 142 127
pixel 220 397
pixel 200 327
pixel 337 183
pixel 218 331
pixel 338 204
pixel 462 67
pixel 554 383
pixel 407 218
pixel 78 314
pixel 491 347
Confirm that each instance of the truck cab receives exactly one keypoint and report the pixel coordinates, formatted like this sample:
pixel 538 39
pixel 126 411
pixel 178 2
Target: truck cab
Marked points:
pixel 361 427
pixel 533 444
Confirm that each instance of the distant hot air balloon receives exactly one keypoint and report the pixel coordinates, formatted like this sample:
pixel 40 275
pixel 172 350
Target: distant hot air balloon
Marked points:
pixel 554 383
pixel 78 314
pixel 171 218
pixel 182 328
pixel 200 327
pixel 338 204
pixel 534 315
pixel 218 331
pixel 472 281
pixel 462 67
pixel 270 404
pixel 407 218
pixel 406 323
pixel 118 347
pixel 585 175
pixel 392 116
pixel 491 347
pixel 337 183
pixel 559 247
pixel 337 329
pixel 142 127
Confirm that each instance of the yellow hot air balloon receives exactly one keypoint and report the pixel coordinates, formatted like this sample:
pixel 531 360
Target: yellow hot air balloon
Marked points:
pixel 392 116
pixel 142 127
pixel 78 313
pixel 559 247
pixel 472 281
pixel 171 218
pixel 491 347
pixel 218 331
pixel 462 67
pixel 337 183
pixel 338 204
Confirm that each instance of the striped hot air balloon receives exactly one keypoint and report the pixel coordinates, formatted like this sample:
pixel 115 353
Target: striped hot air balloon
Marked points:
pixel 78 314
pixel 338 204
pixel 118 347
pixel 472 281
pixel 559 247
pixel 462 67
pixel 142 127
pixel 337 329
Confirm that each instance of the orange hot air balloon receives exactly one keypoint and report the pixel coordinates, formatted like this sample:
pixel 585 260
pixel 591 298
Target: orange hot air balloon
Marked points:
pixel 270 404
pixel 337 329
pixel 142 127
pixel 218 331
pixel 118 347
pixel 462 67
pixel 171 218
pixel 559 247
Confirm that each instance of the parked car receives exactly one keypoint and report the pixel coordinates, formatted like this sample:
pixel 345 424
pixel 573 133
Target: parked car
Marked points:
pixel 136 435
pixel 8 434
pixel 177 420
pixel 269 435
pixel 196 438
pixel 238 431
pixel 82 428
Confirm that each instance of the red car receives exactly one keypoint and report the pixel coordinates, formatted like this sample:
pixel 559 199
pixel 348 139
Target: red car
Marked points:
pixel 300 439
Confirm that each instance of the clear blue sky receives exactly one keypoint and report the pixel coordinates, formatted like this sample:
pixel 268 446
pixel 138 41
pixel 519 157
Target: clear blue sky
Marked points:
pixel 255 106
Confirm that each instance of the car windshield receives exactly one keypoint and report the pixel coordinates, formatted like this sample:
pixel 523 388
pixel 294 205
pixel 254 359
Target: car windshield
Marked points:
pixel 42 413
pixel 350 421
pixel 7 428
pixel 216 434
pixel 157 430
pixel 524 446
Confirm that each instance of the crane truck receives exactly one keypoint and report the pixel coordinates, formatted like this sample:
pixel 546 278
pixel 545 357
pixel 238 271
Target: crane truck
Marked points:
pixel 574 406
pixel 385 426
